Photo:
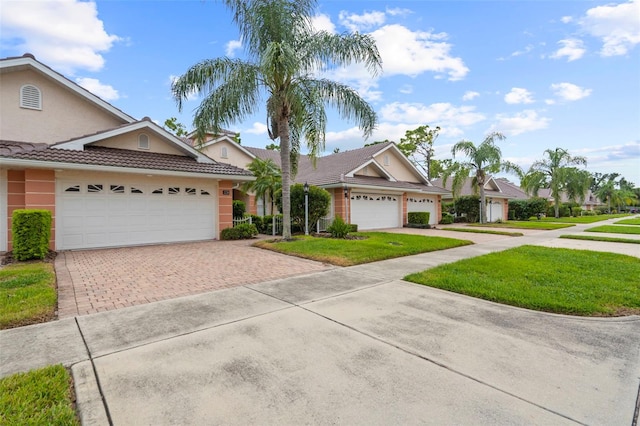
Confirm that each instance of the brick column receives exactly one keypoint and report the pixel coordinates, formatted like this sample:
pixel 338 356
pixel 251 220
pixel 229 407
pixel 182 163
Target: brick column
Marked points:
pixel 40 193
pixel 225 205
pixel 15 199
pixel 438 209
pixel 405 218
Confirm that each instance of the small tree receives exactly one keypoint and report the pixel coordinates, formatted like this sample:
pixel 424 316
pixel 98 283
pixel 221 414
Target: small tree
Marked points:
pixel 417 145
pixel 319 202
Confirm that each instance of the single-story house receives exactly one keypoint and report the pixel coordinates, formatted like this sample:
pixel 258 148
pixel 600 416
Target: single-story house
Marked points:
pixel 590 201
pixel 498 192
pixel 374 187
pixel 108 179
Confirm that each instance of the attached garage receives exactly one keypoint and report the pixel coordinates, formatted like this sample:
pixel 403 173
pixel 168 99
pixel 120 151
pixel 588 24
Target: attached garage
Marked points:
pixel 114 210
pixel 418 203
pixel 375 211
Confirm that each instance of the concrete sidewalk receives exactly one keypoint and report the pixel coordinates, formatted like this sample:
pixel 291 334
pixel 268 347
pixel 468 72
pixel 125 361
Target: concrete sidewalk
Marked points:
pixel 345 346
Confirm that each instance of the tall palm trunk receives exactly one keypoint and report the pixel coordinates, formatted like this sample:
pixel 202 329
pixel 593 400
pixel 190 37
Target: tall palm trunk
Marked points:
pixel 483 201
pixel 285 159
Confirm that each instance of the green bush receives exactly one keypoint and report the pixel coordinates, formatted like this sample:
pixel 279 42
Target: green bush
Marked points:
pixel 239 208
pixel 258 222
pixel 339 228
pixel 525 209
pixel 31 231
pixel 243 231
pixel 468 205
pixel 589 213
pixel 447 219
pixel 319 203
pixel 418 218
pixel 576 211
pixel 353 227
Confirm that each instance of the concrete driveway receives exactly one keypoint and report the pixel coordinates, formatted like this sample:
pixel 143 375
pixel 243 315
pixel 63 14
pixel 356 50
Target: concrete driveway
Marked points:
pixel 344 346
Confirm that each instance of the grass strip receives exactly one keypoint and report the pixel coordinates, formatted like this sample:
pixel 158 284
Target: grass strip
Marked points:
pixel 373 246
pixel 581 219
pixel 27 294
pixel 483 231
pixel 615 229
pixel 635 221
pixel 597 238
pixel 39 397
pixel 545 279
pixel 544 226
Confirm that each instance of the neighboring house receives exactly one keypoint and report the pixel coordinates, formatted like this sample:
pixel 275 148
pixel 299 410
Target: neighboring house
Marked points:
pixel 498 192
pixel 590 201
pixel 108 179
pixel 374 187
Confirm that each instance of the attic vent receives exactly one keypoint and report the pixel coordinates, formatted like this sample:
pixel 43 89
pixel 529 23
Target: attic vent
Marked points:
pixel 143 141
pixel 224 153
pixel 385 160
pixel 30 97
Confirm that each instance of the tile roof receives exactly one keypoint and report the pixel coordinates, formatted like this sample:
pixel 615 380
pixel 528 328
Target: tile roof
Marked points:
pixel 506 191
pixel 113 157
pixel 330 170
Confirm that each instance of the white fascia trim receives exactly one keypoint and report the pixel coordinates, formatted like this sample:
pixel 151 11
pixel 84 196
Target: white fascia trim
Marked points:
pixel 228 139
pixel 491 179
pixel 406 161
pixel 113 169
pixel 9 63
pixel 79 144
pixel 377 166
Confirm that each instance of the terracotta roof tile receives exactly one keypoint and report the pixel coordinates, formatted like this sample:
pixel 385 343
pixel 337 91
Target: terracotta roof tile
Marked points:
pixel 102 156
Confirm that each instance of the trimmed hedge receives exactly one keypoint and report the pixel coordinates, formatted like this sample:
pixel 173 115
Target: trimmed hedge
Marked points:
pixel 418 218
pixel 31 231
pixel 447 219
pixel 244 231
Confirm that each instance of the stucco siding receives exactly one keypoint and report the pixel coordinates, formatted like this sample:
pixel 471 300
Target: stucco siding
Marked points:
pixel 396 167
pixel 234 156
pixel 64 115
pixel 130 141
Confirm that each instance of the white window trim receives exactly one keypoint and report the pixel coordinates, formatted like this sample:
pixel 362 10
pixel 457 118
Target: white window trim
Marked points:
pixel 140 144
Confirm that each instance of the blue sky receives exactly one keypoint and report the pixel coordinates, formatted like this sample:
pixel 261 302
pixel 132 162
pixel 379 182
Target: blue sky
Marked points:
pixel 547 74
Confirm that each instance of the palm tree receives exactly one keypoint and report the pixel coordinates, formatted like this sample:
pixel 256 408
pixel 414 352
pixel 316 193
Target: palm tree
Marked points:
pixel 556 173
pixel 268 181
pixel 284 53
pixel 483 160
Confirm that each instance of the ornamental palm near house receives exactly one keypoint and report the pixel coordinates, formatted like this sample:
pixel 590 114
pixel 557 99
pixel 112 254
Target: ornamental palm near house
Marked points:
pixel 107 178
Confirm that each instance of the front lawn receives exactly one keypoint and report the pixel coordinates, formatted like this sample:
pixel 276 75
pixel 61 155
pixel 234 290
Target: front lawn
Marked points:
pixel 574 282
pixel 598 238
pixel 27 294
pixel 373 247
pixel 541 225
pixel 483 231
pixel 615 229
pixel 39 397
pixel 581 219
pixel 634 221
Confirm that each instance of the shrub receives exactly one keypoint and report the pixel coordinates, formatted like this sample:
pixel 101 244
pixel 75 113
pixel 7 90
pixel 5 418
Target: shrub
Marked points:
pixel 418 218
pixel 588 213
pixel 339 228
pixel 353 227
pixel 525 209
pixel 243 231
pixel 319 203
pixel 468 205
pixel 258 222
pixel 31 231
pixel 447 219
pixel 239 208
pixel 576 211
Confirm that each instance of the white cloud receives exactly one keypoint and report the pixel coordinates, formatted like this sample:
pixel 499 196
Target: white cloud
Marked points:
pixel 323 22
pixel 566 19
pixel 66 34
pixel 518 95
pixel 628 151
pixel 407 89
pixel 449 117
pixel 470 95
pixel 406 52
pixel 572 48
pixel 93 85
pixel 397 11
pixel 526 50
pixel 257 129
pixel 522 122
pixel 569 92
pixel 616 25
pixel 232 46
pixel 363 22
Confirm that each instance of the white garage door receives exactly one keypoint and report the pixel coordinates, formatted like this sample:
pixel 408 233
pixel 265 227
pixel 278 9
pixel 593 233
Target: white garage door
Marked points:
pixel 121 212
pixel 423 204
pixel 375 211
pixel 494 211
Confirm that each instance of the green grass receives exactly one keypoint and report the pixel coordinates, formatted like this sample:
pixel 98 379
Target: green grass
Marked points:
pixel 574 282
pixel 615 229
pixel 541 225
pixel 39 397
pixel 581 219
pixel 635 221
pixel 597 238
pixel 484 231
pixel 27 294
pixel 346 252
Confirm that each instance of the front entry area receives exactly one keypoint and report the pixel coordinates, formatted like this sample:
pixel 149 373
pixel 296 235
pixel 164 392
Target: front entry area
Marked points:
pixel 109 210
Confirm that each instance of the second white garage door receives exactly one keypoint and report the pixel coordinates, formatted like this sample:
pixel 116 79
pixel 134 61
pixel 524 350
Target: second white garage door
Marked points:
pixel 423 204
pixel 120 212
pixel 375 211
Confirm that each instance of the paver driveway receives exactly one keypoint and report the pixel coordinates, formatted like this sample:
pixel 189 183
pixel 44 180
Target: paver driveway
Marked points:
pixel 91 281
